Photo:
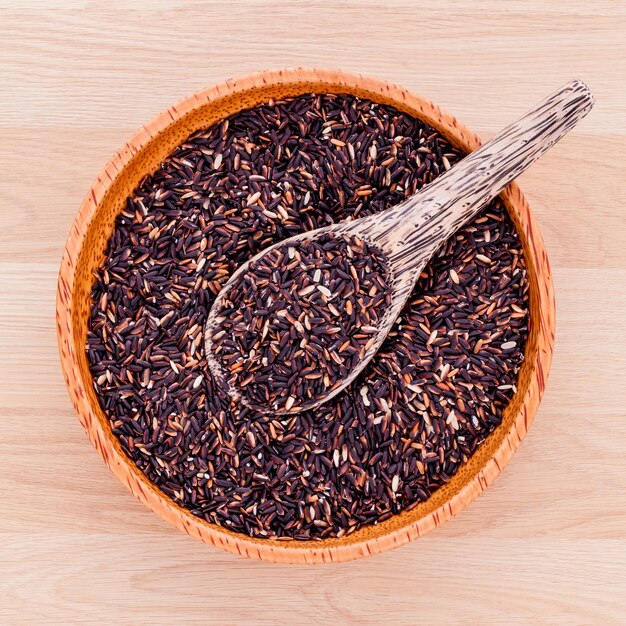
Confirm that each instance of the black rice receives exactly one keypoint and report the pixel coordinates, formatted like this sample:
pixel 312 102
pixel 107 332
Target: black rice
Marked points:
pixel 419 410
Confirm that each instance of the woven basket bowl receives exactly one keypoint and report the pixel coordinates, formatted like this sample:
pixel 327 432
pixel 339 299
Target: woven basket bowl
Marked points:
pixel 85 249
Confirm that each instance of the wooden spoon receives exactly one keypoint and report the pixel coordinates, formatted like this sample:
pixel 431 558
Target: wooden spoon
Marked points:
pixel 410 233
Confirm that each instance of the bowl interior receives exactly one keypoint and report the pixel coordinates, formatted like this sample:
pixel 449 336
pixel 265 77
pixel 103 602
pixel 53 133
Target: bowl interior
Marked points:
pixel 86 249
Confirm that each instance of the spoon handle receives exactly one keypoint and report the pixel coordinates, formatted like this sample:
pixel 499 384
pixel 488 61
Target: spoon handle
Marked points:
pixel 415 229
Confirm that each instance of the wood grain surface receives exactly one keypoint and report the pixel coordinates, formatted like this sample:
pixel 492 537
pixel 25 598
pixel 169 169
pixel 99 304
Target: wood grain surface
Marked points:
pixel 546 544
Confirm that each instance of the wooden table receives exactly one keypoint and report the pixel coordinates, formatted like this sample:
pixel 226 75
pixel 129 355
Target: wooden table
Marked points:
pixel 546 544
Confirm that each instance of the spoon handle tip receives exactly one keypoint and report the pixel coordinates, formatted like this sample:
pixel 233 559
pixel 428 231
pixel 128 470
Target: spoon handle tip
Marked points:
pixel 414 229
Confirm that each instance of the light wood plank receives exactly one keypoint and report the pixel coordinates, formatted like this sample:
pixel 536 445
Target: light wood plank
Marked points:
pixel 171 580
pixel 483 64
pixel 39 216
